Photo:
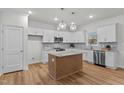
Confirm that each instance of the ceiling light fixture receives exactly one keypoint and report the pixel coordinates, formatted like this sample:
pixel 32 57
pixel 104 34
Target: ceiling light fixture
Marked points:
pixel 29 12
pixel 91 16
pixel 56 19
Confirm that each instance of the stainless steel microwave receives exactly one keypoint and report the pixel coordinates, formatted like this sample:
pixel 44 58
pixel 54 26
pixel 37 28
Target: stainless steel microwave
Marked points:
pixel 58 39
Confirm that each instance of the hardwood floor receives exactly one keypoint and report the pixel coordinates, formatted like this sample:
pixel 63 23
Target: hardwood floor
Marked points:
pixel 38 75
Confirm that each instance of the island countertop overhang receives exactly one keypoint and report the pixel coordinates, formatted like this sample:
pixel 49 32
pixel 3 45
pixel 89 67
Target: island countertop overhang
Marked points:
pixel 67 52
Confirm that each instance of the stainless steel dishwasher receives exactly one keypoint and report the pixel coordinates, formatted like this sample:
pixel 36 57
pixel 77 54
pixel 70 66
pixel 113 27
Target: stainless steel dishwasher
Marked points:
pixel 99 57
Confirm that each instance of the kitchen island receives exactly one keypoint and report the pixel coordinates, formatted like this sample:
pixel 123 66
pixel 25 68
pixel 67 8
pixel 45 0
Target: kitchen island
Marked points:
pixel 64 63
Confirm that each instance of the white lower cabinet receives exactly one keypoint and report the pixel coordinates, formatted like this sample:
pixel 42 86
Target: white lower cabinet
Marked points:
pixel 44 57
pixel 111 59
pixel 88 56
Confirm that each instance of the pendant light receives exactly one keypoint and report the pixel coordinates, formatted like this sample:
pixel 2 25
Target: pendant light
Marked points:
pixel 62 25
pixel 73 26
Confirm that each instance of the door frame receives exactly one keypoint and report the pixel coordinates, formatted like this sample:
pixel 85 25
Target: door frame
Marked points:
pixel 2 30
pixel 1 50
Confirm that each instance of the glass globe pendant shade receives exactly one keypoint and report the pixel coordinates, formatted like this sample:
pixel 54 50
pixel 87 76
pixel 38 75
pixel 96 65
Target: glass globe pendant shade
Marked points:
pixel 62 26
pixel 73 27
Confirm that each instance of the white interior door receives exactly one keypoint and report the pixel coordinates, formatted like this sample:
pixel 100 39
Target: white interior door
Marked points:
pixel 13 49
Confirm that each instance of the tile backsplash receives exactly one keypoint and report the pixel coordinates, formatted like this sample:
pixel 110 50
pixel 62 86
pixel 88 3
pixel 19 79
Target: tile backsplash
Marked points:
pixel 47 46
pixel 103 45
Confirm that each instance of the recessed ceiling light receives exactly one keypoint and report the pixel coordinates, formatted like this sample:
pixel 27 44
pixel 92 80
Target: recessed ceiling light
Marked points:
pixel 29 12
pixel 91 16
pixel 56 19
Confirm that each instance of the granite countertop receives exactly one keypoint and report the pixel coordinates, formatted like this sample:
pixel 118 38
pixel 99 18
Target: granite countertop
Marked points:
pixel 67 52
pixel 84 50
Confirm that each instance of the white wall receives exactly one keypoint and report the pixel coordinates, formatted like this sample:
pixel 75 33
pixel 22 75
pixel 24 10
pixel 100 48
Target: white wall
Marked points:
pixel 34 49
pixel 14 19
pixel 41 25
pixel 120 34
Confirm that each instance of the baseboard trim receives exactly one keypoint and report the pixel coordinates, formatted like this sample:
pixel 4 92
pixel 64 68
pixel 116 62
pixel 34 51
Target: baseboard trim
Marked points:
pixel 111 67
pixel 121 67
pixel 26 68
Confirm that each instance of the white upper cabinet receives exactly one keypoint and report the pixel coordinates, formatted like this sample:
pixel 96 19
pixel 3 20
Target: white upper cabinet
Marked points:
pixel 48 36
pixel 107 33
pixel 74 37
pixel 80 37
pixel 71 37
pixel 64 34
pixel 58 34
pixel 35 31
pixel 67 37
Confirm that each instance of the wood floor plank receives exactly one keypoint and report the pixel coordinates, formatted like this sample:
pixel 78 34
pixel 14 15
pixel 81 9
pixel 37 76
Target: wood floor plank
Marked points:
pixel 90 75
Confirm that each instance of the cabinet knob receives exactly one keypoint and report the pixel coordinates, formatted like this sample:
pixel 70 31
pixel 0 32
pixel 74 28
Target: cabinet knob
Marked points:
pixel 53 60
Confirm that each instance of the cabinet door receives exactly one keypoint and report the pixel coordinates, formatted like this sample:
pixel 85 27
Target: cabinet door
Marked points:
pixel 52 65
pixel 81 38
pixel 57 34
pixel 90 56
pixel 107 33
pixel 66 38
pixel 44 57
pixel 48 36
pixel 101 35
pixel 72 37
pixel 109 59
pixel 85 56
pixel 78 37
pixel 111 33
pixel 35 31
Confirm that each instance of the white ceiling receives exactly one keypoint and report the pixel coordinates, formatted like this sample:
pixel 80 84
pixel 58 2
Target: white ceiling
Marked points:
pixel 80 17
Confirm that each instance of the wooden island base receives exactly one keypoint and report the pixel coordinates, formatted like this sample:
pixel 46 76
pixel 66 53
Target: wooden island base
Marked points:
pixel 60 67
